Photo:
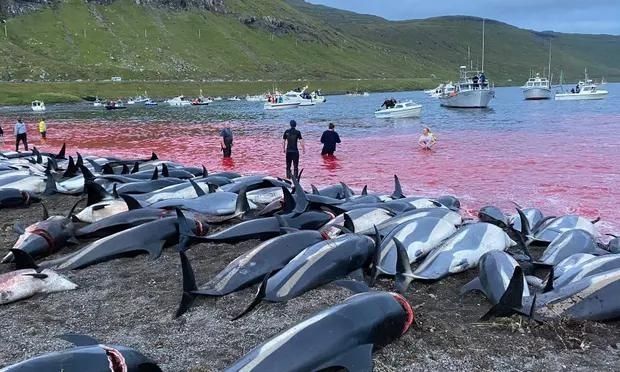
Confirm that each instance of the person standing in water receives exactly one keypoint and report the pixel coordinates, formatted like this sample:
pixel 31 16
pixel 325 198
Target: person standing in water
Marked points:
pixel 291 137
pixel 43 130
pixel 21 134
pixel 427 139
pixel 1 136
pixel 226 142
pixel 329 139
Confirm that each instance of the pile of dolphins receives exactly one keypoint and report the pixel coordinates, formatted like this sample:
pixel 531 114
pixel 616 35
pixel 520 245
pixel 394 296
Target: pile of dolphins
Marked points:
pixel 307 239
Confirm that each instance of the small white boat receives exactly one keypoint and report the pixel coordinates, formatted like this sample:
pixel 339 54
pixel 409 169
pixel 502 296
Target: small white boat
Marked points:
pixel 37 106
pixel 436 93
pixel 283 105
pixel 178 101
pixel 303 98
pixel 150 102
pixel 318 97
pixel 234 99
pixel 407 109
pixel 97 103
pixel 218 98
pixel 537 88
pixel 584 90
pixel 259 98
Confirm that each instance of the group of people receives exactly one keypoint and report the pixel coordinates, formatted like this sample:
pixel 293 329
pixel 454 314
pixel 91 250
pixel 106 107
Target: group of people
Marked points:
pixel 479 81
pixel 293 139
pixel 21 133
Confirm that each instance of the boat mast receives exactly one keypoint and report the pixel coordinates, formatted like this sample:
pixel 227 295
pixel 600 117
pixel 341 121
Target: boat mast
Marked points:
pixel 549 71
pixel 483 20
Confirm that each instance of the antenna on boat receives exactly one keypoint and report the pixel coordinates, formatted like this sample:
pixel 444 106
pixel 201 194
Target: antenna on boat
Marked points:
pixel 549 62
pixel 471 63
pixel 483 21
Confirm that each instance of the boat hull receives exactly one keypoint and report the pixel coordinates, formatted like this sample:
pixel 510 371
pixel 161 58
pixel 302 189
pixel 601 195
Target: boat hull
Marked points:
pixel 280 106
pixel 468 99
pixel 411 112
pixel 537 93
pixel 601 94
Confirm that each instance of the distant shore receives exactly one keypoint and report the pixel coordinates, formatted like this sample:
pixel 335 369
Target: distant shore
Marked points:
pixel 23 93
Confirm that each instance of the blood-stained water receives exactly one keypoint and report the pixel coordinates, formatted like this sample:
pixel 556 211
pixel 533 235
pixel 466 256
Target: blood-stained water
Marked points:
pixel 561 157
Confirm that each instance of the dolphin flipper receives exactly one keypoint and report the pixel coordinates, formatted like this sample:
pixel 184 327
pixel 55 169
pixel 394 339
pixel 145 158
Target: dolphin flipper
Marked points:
pixel 474 285
pixel 358 359
pixel 260 295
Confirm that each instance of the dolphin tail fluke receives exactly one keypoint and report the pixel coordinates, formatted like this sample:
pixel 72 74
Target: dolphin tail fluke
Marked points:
pixel 132 203
pixel 511 301
pixel 404 276
pixel 288 202
pixel 376 259
pixel 185 232
pixel 62 152
pixel 260 295
pixel 301 202
pixel 242 205
pixel 189 285
pixel 398 190
pixel 524 236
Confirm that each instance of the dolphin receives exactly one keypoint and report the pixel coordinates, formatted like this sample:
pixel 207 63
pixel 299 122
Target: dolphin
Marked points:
pixel 463 251
pixel 121 221
pixel 571 261
pixel 13 198
pixel 343 336
pixel 29 280
pixel 591 267
pixel 554 227
pixel 534 217
pixel 143 187
pixel 496 270
pixel 150 237
pixel 568 243
pixel 450 202
pixel 323 263
pixel 494 215
pixel 442 213
pixel 45 237
pixel 88 355
pixel 418 236
pixel 247 269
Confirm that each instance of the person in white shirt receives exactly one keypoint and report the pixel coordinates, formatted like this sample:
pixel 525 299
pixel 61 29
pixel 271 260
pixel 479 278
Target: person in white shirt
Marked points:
pixel 427 139
pixel 21 134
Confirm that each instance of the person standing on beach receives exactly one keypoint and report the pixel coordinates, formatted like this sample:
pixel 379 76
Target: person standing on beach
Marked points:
pixel 329 139
pixel 21 134
pixel 291 137
pixel 42 130
pixel 226 142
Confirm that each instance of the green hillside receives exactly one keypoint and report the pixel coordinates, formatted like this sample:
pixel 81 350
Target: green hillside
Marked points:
pixel 277 40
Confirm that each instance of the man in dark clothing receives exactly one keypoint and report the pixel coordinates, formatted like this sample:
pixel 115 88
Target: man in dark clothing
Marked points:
pixel 226 142
pixel 291 137
pixel 329 139
pixel 475 81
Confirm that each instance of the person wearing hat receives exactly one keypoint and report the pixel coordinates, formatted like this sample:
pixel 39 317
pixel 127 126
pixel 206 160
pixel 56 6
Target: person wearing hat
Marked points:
pixel 21 134
pixel 291 137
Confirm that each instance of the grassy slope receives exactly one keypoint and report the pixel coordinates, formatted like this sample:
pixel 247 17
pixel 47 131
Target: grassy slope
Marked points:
pixel 76 40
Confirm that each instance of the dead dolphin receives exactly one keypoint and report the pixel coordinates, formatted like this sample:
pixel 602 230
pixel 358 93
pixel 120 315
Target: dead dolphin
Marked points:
pixel 568 243
pixel 534 218
pixel 120 222
pixel 88 355
pixel 45 237
pixel 495 271
pixel 343 336
pixel 571 261
pixel 419 237
pixel 463 251
pixel 443 213
pixel 29 280
pixel 591 267
pixel 554 227
pixel 13 198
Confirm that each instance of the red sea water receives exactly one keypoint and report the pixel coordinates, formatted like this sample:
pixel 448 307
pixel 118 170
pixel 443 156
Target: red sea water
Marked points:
pixel 562 157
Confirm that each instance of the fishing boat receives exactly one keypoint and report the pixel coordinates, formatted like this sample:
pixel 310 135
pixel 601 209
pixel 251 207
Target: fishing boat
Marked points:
pixel 303 97
pixel 537 88
pixel 584 90
pixel 218 98
pixel 407 109
pixel 179 101
pixel 472 90
pixel 97 102
pixel 435 93
pixel 37 106
pixel 280 105
pixel 201 101
pixel 318 97
pixel 234 99
pixel 115 105
pixel 150 102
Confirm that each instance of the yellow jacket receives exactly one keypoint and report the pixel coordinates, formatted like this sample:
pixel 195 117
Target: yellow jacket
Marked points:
pixel 42 126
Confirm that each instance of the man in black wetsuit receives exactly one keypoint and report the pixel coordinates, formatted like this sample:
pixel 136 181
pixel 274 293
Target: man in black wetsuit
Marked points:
pixel 226 141
pixel 329 139
pixel 291 137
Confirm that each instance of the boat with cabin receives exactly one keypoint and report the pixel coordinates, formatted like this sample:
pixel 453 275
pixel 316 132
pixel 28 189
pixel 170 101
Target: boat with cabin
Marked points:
pixel 37 106
pixel 537 88
pixel 179 101
pixel 115 105
pixel 584 90
pixel 406 109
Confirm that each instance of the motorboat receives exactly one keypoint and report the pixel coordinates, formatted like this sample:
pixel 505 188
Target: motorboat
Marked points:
pixel 234 99
pixel 537 88
pixel 471 91
pixel 436 93
pixel 318 97
pixel 218 98
pixel 302 97
pixel 97 103
pixel 178 101
pixel 584 90
pixel 138 100
pixel 406 109
pixel 115 105
pixel 201 101
pixel 150 102
pixel 280 105
pixel 37 106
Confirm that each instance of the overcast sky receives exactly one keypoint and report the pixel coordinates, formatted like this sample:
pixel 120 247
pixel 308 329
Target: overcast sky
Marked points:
pixel 580 16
